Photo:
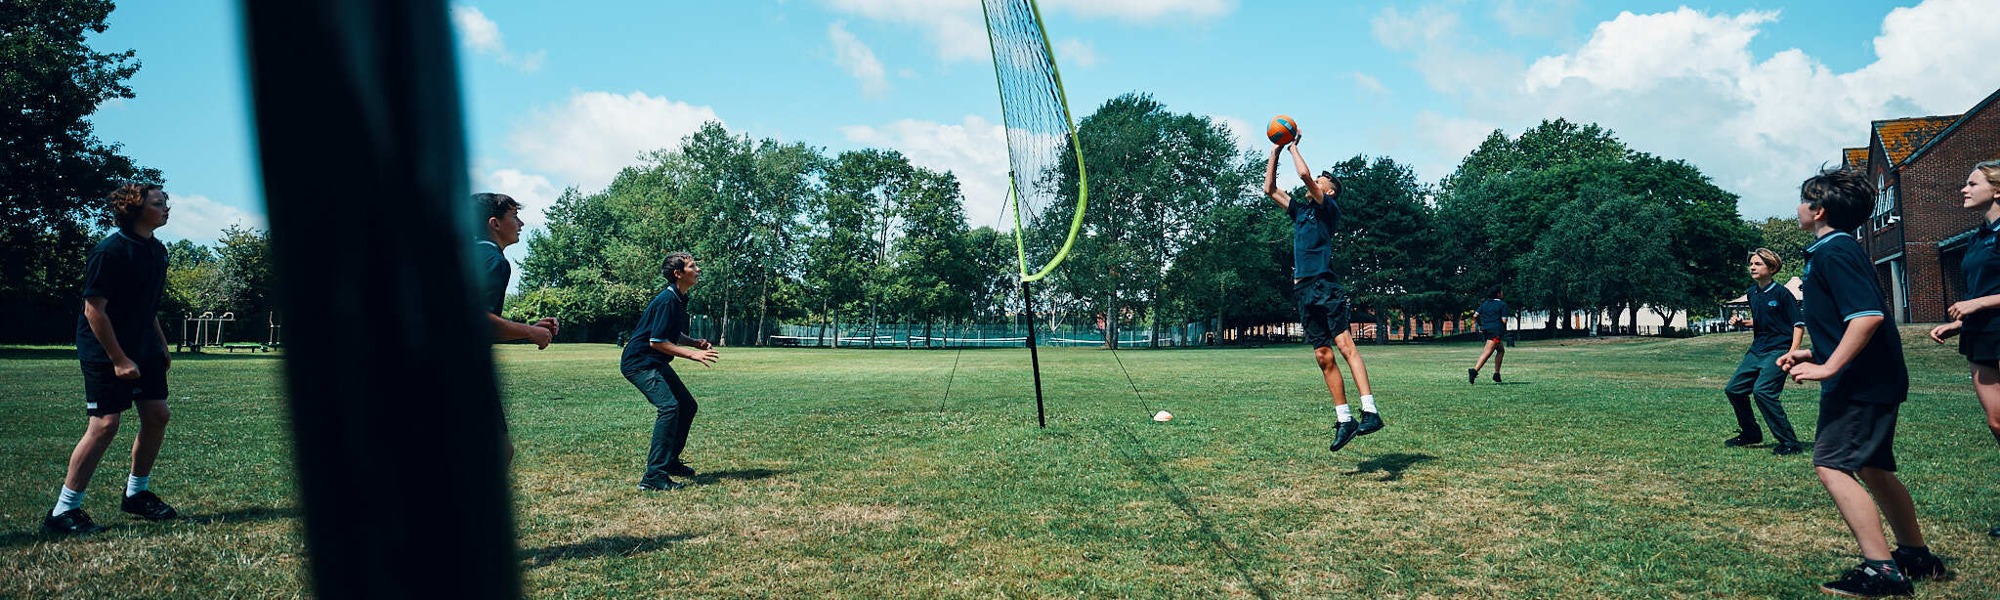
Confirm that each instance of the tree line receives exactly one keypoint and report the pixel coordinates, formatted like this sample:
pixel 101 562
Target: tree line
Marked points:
pixel 1565 217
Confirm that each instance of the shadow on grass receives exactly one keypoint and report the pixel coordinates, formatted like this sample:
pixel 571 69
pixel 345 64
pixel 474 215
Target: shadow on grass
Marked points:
pixel 739 475
pixel 1147 468
pixel 241 515
pixel 1391 466
pixel 619 545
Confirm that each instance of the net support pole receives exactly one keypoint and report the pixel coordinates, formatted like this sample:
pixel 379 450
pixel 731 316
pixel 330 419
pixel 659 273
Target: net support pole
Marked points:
pixel 357 108
pixel 1034 356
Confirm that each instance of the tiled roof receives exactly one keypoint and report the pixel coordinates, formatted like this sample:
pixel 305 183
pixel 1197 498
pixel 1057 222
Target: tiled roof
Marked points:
pixel 1900 137
pixel 1854 158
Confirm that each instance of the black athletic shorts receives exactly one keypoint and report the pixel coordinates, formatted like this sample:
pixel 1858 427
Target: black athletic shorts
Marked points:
pixel 1323 309
pixel 1980 347
pixel 1853 435
pixel 105 394
pixel 1492 335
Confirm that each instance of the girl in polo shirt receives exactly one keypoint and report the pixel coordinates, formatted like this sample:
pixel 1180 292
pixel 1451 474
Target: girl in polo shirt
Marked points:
pixel 1975 320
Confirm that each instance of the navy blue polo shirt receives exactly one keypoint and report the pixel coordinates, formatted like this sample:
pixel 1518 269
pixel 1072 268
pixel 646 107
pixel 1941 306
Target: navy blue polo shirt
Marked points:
pixel 1312 240
pixel 494 271
pixel 130 274
pixel 1981 267
pixel 1493 315
pixel 1840 287
pixel 665 320
pixel 1775 313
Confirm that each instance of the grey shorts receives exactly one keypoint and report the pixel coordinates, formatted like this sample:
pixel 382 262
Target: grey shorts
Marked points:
pixel 1323 309
pixel 1855 435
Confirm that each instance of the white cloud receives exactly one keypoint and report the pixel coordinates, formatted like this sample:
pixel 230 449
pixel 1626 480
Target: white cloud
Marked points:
pixel 1686 84
pixel 478 32
pixel 482 35
pixel 1369 83
pixel 1246 134
pixel 586 141
pixel 535 192
pixel 200 219
pixel 1077 52
pixel 1448 58
pixel 850 54
pixel 974 149
pixel 958 29
pixel 1539 18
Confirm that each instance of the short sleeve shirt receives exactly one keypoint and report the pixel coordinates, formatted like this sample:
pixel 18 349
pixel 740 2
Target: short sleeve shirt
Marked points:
pixel 1775 313
pixel 130 274
pixel 1493 315
pixel 665 320
pixel 1981 267
pixel 494 272
pixel 1840 287
pixel 1312 241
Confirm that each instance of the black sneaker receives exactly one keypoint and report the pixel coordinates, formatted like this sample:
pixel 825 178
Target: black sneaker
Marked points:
pixel 71 522
pixel 1472 375
pixel 1496 377
pixel 1787 449
pixel 660 486
pixel 147 506
pixel 1370 423
pixel 1920 565
pixel 1994 532
pixel 1867 582
pixel 1343 433
pixel 680 470
pixel 1742 440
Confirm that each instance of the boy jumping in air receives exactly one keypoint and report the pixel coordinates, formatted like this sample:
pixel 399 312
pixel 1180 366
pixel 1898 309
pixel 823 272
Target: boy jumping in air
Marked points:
pixel 1323 306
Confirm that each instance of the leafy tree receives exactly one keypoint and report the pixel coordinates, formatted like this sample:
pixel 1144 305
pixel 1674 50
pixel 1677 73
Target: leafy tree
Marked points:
pixel 846 261
pixel 1783 235
pixel 933 272
pixel 1154 176
pixel 55 171
pixel 1385 238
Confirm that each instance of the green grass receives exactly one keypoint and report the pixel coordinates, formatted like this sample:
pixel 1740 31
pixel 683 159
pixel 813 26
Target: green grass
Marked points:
pixel 1596 471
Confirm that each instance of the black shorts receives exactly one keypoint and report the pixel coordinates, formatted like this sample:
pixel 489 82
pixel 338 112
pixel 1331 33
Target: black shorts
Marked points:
pixel 1323 309
pixel 1854 435
pixel 1493 335
pixel 105 394
pixel 1980 347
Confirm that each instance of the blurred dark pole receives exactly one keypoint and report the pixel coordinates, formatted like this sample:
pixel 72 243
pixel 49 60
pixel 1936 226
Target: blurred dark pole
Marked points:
pixel 394 404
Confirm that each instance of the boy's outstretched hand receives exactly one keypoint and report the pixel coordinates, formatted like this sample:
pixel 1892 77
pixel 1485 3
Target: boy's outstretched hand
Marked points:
pixel 1946 331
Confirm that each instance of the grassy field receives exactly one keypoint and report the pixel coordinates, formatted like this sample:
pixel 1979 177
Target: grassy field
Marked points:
pixel 1596 471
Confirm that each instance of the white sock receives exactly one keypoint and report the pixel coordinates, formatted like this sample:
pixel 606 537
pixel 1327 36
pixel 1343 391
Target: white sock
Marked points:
pixel 1342 414
pixel 1368 403
pixel 70 499
pixel 135 484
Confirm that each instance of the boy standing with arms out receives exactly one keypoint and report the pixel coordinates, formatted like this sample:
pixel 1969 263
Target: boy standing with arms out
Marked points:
pixel 1774 315
pixel 660 336
pixel 1323 307
pixel 1859 358
pixel 501 215
pixel 123 351
pixel 1492 326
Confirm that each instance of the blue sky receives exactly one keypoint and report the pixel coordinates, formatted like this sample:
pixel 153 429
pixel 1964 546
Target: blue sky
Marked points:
pixel 1756 93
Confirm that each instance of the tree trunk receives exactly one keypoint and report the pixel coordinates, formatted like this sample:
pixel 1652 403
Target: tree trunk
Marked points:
pixel 1111 322
pixel 763 308
pixel 722 334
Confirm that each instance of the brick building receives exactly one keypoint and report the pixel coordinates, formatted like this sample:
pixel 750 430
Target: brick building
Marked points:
pixel 1920 227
